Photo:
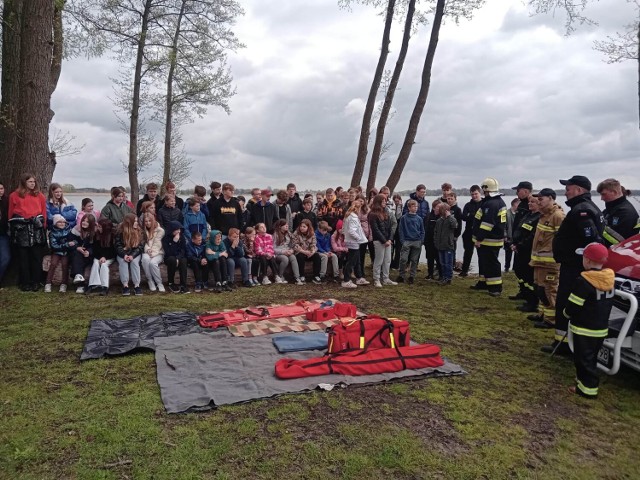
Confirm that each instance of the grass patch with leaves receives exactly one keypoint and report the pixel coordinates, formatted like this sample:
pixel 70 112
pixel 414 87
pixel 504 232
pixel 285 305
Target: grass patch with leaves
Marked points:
pixel 510 417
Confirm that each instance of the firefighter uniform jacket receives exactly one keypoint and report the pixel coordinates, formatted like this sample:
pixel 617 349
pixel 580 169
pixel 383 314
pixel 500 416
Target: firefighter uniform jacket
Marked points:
pixel 548 226
pixel 622 221
pixel 490 222
pixel 521 212
pixel 583 224
pixel 590 303
pixel 523 235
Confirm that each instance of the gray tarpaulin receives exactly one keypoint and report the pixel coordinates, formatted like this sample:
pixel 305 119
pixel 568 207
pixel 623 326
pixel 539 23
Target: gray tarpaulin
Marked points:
pixel 203 370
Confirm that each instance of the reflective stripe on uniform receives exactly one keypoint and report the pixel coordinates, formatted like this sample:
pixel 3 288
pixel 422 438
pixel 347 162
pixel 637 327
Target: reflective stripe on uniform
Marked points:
pixel 478 214
pixel 543 258
pixel 488 242
pixel 587 332
pixel 529 286
pixel 549 313
pixel 573 298
pixel 494 281
pixel 592 392
pixel 609 238
pixel 560 335
pixel 526 226
pixel 546 228
pixel 486 226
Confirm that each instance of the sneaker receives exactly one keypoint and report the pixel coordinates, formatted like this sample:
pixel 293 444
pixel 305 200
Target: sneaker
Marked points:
pixel 198 288
pixel 400 280
pixel 362 281
pixel 543 325
pixel 247 283
pixel 174 288
pixel 429 277
pixel 376 283
pixel 495 294
pixel 125 291
pixel 47 288
pixel 184 289
pixel 349 284
pixel 161 288
pixel 317 280
pixel 63 288
pixel 266 281
pixel 78 279
pixel 80 290
pixel 299 281
pixel 444 283
pixel 410 281
pixel 463 274
pixel 535 318
pixel 303 279
pixel 388 281
pixel 218 288
pixel 226 287
pixel 104 291
pixel 137 291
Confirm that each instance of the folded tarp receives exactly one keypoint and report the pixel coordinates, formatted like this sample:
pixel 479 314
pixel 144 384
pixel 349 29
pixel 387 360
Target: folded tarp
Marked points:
pixel 200 371
pixel 109 337
pixel 299 342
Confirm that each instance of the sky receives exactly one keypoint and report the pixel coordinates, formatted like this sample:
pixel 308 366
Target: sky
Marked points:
pixel 511 97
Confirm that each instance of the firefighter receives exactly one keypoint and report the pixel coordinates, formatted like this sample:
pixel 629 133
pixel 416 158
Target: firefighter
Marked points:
pixel 583 225
pixel 620 216
pixel 522 243
pixel 545 268
pixel 523 191
pixel 488 236
pixel 589 307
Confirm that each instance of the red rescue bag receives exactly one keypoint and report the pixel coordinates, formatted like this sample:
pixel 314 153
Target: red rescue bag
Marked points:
pixel 371 331
pixel 362 362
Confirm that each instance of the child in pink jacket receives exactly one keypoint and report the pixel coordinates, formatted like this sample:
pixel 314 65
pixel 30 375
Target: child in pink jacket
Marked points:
pixel 265 255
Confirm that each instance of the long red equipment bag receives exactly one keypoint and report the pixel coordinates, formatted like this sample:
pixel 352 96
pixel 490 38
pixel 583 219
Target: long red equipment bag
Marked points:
pixel 362 362
pixel 371 331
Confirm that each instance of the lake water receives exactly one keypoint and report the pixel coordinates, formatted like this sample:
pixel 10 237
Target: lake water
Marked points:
pixel 100 200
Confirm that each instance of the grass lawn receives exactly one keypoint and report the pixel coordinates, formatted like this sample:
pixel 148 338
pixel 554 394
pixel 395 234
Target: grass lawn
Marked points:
pixel 510 417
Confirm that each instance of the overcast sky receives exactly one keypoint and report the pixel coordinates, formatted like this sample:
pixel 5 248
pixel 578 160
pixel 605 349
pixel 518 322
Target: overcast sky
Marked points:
pixel 511 97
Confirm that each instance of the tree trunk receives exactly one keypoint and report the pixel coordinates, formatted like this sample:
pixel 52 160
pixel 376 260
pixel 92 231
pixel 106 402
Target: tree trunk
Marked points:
pixel 135 105
pixel 10 86
pixel 36 52
pixel 166 174
pixel 361 159
pixel 412 129
pixel 388 100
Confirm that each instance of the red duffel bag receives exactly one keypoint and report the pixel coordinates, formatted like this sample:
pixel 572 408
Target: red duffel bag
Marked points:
pixel 362 362
pixel 371 331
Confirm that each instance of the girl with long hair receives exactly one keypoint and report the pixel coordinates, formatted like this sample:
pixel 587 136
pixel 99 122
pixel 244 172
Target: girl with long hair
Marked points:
pixel 27 213
pixel 129 247
pixel 153 253
pixel 306 249
pixel 353 237
pixel 104 254
pixel 83 234
pixel 57 204
pixel 285 255
pixel 381 230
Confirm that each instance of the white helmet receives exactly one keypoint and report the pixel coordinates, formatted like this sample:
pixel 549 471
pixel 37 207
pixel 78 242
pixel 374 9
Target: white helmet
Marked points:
pixel 490 184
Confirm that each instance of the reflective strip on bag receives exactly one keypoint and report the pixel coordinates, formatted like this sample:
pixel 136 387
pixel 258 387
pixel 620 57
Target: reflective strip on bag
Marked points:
pixel 587 332
pixel 577 300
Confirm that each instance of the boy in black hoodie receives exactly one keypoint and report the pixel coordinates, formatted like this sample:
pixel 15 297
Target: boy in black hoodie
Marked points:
pixel 175 256
pixel 588 309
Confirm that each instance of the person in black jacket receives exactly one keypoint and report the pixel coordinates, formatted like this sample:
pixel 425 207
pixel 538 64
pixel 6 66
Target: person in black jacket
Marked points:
pixel 468 215
pixel 621 218
pixel 169 212
pixel 226 211
pixel 589 307
pixel 150 196
pixel 522 243
pixel 264 211
pixel 433 258
pixel 294 200
pixel 175 256
pixel 5 240
pixel 488 235
pixel 583 224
